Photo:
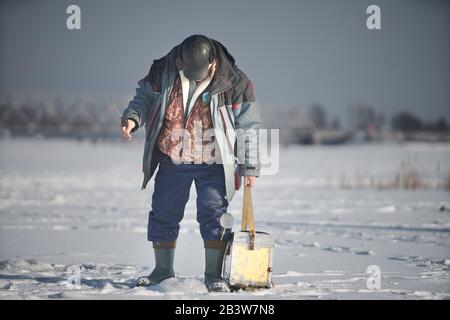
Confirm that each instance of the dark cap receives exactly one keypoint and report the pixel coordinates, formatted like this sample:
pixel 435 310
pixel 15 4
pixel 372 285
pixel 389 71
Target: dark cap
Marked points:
pixel 197 52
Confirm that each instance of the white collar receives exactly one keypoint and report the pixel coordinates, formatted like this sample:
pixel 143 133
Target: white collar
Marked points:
pixel 185 89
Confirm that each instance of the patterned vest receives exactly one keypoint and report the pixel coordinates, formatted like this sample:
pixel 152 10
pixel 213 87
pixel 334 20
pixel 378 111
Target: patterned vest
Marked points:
pixel 182 139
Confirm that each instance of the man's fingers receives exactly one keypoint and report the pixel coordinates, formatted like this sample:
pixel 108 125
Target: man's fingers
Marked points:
pixel 126 134
pixel 130 124
pixel 249 180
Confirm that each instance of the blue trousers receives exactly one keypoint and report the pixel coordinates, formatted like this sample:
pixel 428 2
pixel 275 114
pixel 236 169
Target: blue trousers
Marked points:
pixel 171 193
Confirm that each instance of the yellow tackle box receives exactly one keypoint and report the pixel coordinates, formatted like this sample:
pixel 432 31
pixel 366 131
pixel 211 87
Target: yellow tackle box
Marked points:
pixel 248 257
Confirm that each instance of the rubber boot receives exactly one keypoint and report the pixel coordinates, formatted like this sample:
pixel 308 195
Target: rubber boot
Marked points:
pixel 214 252
pixel 164 256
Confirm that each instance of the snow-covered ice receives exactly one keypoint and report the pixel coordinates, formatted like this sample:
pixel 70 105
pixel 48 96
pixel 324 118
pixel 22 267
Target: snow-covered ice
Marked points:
pixel 72 205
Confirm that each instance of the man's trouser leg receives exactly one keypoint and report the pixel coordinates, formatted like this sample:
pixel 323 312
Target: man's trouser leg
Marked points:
pixel 211 204
pixel 211 201
pixel 171 193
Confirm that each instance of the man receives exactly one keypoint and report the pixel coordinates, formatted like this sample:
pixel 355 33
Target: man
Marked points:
pixel 196 104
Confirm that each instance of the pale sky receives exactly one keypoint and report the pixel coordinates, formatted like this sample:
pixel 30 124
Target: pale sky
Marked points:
pixel 296 52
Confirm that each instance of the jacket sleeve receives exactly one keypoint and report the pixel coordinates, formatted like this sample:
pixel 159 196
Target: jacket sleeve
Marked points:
pixel 138 107
pixel 247 120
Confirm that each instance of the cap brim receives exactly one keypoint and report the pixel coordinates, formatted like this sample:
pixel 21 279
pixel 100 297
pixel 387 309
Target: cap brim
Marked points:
pixel 195 74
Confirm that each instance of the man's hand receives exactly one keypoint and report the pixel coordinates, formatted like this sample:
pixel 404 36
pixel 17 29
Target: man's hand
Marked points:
pixel 249 180
pixel 127 126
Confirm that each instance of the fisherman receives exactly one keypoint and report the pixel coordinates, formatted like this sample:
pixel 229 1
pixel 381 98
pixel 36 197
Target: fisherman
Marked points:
pixel 194 90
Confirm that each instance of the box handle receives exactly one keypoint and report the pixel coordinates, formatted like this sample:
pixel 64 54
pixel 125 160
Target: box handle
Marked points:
pixel 248 217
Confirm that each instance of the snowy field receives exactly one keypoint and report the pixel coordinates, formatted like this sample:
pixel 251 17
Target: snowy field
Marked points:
pixel 65 203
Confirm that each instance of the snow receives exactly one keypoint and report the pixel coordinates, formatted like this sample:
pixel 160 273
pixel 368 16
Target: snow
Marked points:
pixel 72 205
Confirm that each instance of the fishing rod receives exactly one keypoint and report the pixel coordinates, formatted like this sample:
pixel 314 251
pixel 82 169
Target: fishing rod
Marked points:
pixel 115 105
pixel 123 122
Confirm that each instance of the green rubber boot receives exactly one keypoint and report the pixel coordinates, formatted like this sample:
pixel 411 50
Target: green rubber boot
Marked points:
pixel 163 269
pixel 213 268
